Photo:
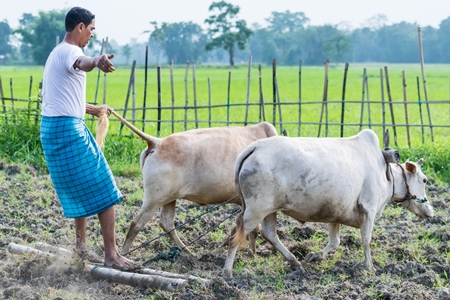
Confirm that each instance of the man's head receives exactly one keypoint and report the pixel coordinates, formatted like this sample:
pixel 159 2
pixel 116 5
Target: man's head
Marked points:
pixel 80 26
pixel 76 16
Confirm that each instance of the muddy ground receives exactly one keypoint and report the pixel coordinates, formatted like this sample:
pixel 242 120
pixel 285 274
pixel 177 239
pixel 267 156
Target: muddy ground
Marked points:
pixel 411 256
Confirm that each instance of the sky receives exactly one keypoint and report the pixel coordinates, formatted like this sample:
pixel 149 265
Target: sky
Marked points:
pixel 126 19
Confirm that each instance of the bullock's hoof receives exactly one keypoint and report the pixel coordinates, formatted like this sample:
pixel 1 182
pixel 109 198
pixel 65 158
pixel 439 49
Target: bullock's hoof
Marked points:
pixel 228 274
pixel 313 256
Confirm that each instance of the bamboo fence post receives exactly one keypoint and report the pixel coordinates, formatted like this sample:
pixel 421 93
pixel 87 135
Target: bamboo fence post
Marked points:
pixel 368 101
pixel 209 102
pixel 262 113
pixel 133 99
pixel 186 94
pixel 104 74
pixel 3 100
pixel 29 97
pixel 279 105
pixel 172 93
pixel 144 109
pixel 247 101
pixel 299 98
pixel 195 94
pixel 383 111
pixel 388 89
pixel 38 103
pixel 425 83
pixel 420 109
pixel 344 86
pixel 158 74
pixel 406 108
pixel 362 98
pixel 98 78
pixel 324 100
pixel 228 97
pixel 274 91
pixel 12 100
pixel 133 67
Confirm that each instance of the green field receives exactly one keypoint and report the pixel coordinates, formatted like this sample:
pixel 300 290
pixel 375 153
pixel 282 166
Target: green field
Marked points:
pixel 312 90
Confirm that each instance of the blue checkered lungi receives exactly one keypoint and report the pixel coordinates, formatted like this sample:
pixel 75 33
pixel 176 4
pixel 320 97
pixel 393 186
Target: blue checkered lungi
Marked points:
pixel 80 174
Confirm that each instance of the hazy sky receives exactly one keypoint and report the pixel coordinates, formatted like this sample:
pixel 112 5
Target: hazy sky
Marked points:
pixel 126 19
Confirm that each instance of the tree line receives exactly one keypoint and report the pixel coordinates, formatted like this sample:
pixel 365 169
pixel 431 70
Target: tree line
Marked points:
pixel 225 38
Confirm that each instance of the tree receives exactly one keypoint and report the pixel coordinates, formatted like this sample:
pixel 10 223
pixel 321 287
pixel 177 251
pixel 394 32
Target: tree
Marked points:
pixel 444 40
pixel 42 32
pixel 283 22
pixel 225 30
pixel 181 42
pixel 5 47
pixel 126 50
pixel 337 46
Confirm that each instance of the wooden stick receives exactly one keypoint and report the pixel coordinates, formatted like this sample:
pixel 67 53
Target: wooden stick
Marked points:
pixel 324 100
pixel 158 126
pixel 194 85
pixel 172 93
pixel 383 111
pixel 406 108
pixel 133 68
pixel 150 278
pixel 104 74
pixel 425 83
pixel 262 113
pixel 144 103
pixel 362 98
pixel 299 98
pixel 344 85
pixel 274 91
pixel 209 102
pixel 186 94
pixel 228 97
pixel 388 89
pixel 420 110
pixel 247 99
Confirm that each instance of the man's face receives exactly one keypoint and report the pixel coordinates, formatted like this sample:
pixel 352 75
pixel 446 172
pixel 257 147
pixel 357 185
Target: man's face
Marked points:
pixel 87 33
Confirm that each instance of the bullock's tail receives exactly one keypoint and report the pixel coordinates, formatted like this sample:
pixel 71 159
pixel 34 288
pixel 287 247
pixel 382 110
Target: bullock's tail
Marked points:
pixel 151 141
pixel 102 129
pixel 238 237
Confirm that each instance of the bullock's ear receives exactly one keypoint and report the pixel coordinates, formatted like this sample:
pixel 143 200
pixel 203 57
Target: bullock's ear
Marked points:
pixel 410 167
pixel 420 162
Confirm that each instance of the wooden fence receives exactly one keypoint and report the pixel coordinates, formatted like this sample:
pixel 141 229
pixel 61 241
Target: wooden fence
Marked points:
pixel 272 111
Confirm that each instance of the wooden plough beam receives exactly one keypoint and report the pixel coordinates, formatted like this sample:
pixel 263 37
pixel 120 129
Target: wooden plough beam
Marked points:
pixel 141 277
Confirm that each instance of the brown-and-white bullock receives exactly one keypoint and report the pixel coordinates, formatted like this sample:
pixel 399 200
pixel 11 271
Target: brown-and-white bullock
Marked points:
pixel 195 165
pixel 329 180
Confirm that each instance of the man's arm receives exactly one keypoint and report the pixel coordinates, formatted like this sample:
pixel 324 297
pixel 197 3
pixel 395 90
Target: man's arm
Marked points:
pixel 88 63
pixel 97 110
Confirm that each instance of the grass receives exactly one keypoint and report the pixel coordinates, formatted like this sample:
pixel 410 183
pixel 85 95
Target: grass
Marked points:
pixel 122 151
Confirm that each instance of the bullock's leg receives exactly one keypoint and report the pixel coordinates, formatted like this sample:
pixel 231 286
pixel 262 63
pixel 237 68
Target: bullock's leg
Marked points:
pixel 333 243
pixel 166 222
pixel 250 222
pixel 366 237
pixel 269 232
pixel 144 215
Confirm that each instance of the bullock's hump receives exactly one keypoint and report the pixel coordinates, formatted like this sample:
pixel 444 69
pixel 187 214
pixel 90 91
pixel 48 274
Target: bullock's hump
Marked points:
pixel 369 136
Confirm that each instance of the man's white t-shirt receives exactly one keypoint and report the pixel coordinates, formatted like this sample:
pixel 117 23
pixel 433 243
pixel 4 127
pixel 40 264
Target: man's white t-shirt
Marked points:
pixel 63 86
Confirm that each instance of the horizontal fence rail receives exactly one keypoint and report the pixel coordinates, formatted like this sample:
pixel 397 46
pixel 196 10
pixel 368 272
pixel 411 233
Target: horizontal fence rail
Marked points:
pixel 299 117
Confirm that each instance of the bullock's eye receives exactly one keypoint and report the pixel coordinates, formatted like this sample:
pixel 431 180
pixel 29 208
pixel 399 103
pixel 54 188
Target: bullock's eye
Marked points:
pixel 424 181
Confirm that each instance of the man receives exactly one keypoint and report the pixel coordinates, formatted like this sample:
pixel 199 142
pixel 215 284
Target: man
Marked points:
pixel 80 174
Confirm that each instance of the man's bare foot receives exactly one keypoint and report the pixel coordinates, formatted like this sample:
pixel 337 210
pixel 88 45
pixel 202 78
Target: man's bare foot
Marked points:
pixel 122 263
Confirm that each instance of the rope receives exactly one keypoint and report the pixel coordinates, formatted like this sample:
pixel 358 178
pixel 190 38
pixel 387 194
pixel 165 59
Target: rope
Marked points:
pixel 174 252
pixel 181 225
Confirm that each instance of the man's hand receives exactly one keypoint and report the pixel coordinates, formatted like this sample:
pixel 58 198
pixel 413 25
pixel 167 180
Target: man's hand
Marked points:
pixel 104 63
pixel 98 110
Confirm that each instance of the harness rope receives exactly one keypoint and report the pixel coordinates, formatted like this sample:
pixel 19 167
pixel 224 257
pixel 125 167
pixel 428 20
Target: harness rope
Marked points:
pixel 182 225
pixel 408 197
pixel 174 252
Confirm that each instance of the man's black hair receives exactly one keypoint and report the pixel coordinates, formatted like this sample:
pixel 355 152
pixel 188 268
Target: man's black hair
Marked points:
pixel 77 15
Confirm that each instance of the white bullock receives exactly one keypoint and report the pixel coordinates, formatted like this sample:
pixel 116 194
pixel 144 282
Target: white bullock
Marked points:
pixel 195 165
pixel 329 180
